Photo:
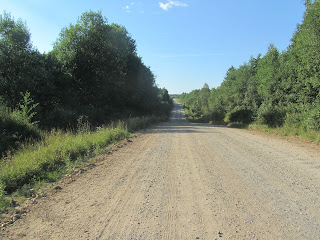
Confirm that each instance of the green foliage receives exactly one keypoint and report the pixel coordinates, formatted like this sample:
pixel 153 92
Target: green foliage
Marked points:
pixel 279 89
pixel 14 34
pixel 14 130
pixel 302 116
pixel 268 75
pixel 273 116
pixel 22 68
pixel 135 123
pixel 92 77
pixel 34 162
pixel 2 191
pixel 58 153
pixel 4 201
pixel 105 69
pixel 312 116
pixel 27 108
pixel 93 70
pixel 239 115
pixel 196 102
pixel 305 52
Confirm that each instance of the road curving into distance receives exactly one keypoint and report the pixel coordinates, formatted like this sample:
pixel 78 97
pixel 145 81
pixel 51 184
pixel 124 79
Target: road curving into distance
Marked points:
pixel 180 180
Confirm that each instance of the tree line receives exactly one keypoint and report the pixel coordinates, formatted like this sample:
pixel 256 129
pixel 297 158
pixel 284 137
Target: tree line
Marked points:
pixel 93 71
pixel 279 88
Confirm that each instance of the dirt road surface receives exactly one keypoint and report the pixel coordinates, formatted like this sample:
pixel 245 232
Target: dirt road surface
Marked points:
pixel 180 180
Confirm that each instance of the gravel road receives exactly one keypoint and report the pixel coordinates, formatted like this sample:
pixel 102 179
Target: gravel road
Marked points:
pixel 180 180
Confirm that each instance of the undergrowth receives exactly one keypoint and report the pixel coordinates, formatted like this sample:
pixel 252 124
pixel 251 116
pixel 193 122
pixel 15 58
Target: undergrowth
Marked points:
pixel 289 130
pixel 15 129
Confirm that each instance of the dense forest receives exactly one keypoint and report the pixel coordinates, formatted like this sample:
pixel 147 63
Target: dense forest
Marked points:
pixel 277 89
pixel 93 74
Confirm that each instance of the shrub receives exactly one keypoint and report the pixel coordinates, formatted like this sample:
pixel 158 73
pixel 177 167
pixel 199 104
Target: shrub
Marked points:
pixel 239 115
pixel 14 130
pixel 60 118
pixel 311 116
pixel 305 116
pixel 271 115
pixel 217 116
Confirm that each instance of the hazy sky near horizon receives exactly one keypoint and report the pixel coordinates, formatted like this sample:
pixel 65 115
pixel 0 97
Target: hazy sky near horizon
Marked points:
pixel 186 43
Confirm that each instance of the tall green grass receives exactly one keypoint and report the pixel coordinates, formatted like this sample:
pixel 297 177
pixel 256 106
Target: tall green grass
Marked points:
pixel 57 149
pixel 46 160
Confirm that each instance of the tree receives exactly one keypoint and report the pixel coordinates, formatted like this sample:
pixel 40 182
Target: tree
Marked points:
pixel 204 95
pixel 307 3
pixel 269 76
pixel 93 70
pixel 15 51
pixel 95 55
pixel 305 51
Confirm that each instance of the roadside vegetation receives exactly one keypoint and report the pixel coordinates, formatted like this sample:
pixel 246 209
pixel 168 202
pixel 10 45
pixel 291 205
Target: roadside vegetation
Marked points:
pixel 277 92
pixel 59 109
pixel 59 152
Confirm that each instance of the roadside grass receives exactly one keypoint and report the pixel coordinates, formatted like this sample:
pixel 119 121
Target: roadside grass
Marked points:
pixel 59 152
pixel 285 130
pixel 289 130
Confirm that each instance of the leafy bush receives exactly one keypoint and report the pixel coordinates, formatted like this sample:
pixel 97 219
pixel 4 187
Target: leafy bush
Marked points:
pixel 312 116
pixel 217 115
pixel 27 107
pixel 273 116
pixel 14 130
pixel 305 116
pixel 239 115
pixel 60 118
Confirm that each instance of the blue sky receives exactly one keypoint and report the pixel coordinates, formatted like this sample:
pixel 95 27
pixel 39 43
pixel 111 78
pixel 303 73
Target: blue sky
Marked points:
pixel 186 43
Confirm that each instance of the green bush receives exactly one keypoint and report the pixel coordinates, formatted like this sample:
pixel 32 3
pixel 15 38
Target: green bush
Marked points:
pixel 217 115
pixel 304 116
pixel 59 118
pixel 14 130
pixel 311 116
pixel 239 115
pixel 271 115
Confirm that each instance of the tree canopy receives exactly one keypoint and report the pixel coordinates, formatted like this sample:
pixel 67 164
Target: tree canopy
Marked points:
pixel 277 88
pixel 93 70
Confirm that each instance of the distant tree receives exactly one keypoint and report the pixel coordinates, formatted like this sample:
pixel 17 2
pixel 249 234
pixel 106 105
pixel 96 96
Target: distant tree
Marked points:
pixel 15 49
pixel 22 68
pixel 269 76
pixel 205 86
pixel 164 95
pixel 93 70
pixel 305 50
pixel 307 3
pixel 204 95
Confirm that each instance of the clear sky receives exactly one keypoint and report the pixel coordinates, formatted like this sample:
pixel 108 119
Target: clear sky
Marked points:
pixel 186 43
